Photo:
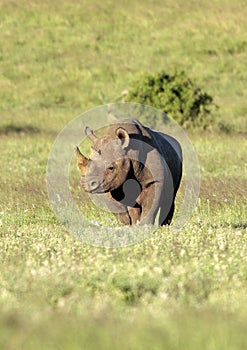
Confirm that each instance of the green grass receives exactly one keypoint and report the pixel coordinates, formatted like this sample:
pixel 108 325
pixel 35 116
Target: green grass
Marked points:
pixel 176 290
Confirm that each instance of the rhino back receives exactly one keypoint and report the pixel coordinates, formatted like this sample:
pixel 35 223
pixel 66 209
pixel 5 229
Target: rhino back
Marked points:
pixel 170 149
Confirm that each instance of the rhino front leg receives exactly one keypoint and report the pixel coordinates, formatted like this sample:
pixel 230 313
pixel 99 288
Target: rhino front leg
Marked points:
pixel 149 201
pixel 135 214
pixel 123 218
pixel 119 210
pixel 130 217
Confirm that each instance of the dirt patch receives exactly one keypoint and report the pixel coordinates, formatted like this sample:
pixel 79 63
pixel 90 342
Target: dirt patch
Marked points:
pixel 18 129
pixel 34 193
pixel 24 194
pixel 218 190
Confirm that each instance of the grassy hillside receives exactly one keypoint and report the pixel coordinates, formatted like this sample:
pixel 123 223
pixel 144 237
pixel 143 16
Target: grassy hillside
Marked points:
pixel 177 290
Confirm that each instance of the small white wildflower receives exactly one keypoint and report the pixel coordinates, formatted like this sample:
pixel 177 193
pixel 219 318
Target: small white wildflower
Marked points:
pixel 182 252
pixel 61 302
pixel 96 223
pixel 216 258
pixel 217 267
pixel 163 295
pixel 142 271
pixel 158 269
pixel 38 247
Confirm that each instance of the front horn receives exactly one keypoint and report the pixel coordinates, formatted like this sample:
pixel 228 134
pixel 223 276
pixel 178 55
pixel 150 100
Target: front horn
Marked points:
pixel 82 161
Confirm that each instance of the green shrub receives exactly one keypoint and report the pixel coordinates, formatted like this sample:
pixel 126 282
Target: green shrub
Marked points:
pixel 176 95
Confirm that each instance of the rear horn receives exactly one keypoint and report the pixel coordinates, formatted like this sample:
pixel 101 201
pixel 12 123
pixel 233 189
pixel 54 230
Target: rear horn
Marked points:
pixel 89 133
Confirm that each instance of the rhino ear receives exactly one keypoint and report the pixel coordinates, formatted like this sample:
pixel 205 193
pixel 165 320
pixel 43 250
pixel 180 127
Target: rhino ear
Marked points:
pixel 123 135
pixel 82 161
pixel 89 133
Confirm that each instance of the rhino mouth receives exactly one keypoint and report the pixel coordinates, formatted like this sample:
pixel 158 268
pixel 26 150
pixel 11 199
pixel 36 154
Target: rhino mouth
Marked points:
pixel 97 191
pixel 100 188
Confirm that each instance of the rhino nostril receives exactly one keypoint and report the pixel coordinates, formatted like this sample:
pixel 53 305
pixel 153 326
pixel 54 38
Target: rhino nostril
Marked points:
pixel 93 184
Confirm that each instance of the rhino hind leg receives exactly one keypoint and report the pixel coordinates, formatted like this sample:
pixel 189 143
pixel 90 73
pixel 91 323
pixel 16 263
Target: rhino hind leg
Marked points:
pixel 168 219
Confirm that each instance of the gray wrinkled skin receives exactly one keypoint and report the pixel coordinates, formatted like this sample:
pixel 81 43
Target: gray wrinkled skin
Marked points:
pixel 137 168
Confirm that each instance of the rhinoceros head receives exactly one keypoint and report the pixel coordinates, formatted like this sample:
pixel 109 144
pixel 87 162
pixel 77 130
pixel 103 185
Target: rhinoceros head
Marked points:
pixel 108 166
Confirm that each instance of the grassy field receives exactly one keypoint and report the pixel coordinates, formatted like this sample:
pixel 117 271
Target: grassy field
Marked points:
pixel 176 290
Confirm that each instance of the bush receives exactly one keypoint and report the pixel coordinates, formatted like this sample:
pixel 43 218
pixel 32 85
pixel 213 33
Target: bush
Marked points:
pixel 176 95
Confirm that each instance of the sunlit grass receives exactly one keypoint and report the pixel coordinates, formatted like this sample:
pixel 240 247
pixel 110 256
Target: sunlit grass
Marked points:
pixel 176 290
